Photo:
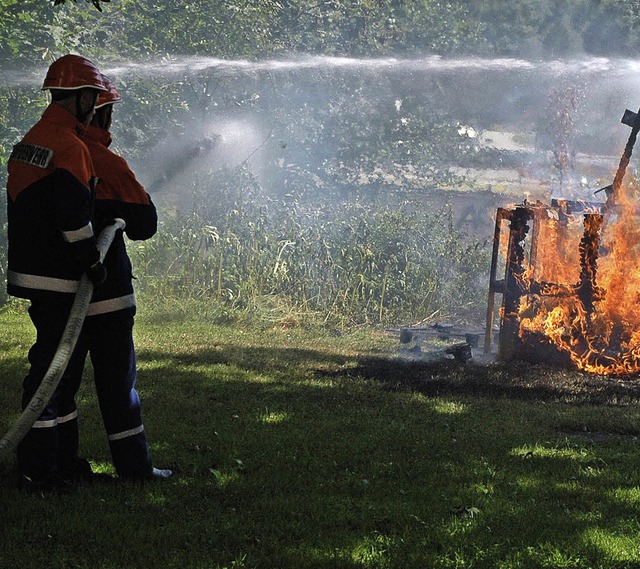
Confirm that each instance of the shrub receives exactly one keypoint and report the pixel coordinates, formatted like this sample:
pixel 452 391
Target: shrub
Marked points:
pixel 346 262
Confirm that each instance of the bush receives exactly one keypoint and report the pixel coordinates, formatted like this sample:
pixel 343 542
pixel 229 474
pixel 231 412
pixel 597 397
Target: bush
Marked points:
pixel 344 262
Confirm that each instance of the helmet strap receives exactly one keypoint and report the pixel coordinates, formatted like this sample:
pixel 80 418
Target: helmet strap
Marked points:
pixel 82 114
pixel 102 118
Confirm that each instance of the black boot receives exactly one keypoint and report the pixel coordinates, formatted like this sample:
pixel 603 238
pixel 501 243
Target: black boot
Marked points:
pixel 50 482
pixel 80 472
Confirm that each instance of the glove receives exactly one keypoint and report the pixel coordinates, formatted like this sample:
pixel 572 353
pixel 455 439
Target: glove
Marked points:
pixel 97 273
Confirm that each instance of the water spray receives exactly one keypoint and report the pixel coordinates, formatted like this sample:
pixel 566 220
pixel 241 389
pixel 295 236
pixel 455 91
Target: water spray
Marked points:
pixel 179 161
pixel 65 348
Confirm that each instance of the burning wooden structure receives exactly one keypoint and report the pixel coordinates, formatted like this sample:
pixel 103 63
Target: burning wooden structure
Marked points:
pixel 571 286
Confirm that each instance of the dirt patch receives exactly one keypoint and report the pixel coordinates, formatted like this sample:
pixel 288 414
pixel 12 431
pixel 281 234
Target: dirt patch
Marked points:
pixel 513 380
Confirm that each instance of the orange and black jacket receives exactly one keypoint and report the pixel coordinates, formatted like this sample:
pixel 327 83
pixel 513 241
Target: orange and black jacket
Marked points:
pixel 118 194
pixel 49 208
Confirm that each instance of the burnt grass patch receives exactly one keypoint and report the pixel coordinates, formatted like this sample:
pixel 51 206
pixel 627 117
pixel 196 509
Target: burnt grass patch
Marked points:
pixel 510 380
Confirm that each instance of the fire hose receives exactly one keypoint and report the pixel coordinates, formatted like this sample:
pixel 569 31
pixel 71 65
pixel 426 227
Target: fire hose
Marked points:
pixel 63 353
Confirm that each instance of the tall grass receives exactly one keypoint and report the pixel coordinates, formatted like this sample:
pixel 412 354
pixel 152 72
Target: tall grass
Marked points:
pixel 333 260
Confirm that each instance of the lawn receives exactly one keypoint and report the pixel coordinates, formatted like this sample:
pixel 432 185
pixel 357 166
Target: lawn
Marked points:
pixel 297 448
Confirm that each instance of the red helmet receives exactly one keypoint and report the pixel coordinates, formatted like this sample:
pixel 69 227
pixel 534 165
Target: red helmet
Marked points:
pixel 73 72
pixel 109 96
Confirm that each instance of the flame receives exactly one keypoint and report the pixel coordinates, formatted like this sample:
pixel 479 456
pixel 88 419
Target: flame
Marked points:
pixel 581 284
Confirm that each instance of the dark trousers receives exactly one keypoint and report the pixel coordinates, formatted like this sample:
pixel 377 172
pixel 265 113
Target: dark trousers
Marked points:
pixel 52 445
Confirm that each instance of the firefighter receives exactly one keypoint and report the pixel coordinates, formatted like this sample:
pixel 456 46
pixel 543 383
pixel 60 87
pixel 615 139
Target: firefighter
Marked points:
pixel 107 334
pixel 51 243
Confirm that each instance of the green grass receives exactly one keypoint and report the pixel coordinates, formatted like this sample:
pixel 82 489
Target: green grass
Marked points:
pixel 304 448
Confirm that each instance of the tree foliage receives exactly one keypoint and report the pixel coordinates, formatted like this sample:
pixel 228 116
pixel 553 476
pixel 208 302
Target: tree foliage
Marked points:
pixel 360 140
pixel 31 29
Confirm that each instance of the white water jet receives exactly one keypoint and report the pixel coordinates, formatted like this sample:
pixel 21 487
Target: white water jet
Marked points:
pixel 435 63
pixel 180 65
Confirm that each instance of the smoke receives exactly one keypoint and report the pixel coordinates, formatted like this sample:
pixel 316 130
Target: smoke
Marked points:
pixel 277 115
pixel 206 146
pixel 273 114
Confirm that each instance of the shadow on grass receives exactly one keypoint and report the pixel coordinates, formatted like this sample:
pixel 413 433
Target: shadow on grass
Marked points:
pixel 353 473
pixel 288 457
pixel 515 380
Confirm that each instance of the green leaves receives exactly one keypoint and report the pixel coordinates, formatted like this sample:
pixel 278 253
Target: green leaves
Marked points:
pixel 262 28
pixel 343 262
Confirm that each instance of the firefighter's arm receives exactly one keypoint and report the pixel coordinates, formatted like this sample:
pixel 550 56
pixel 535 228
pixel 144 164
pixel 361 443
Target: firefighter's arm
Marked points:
pixel 73 211
pixel 121 195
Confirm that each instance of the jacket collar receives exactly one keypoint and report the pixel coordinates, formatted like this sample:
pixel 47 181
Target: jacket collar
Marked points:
pixel 99 135
pixel 58 115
